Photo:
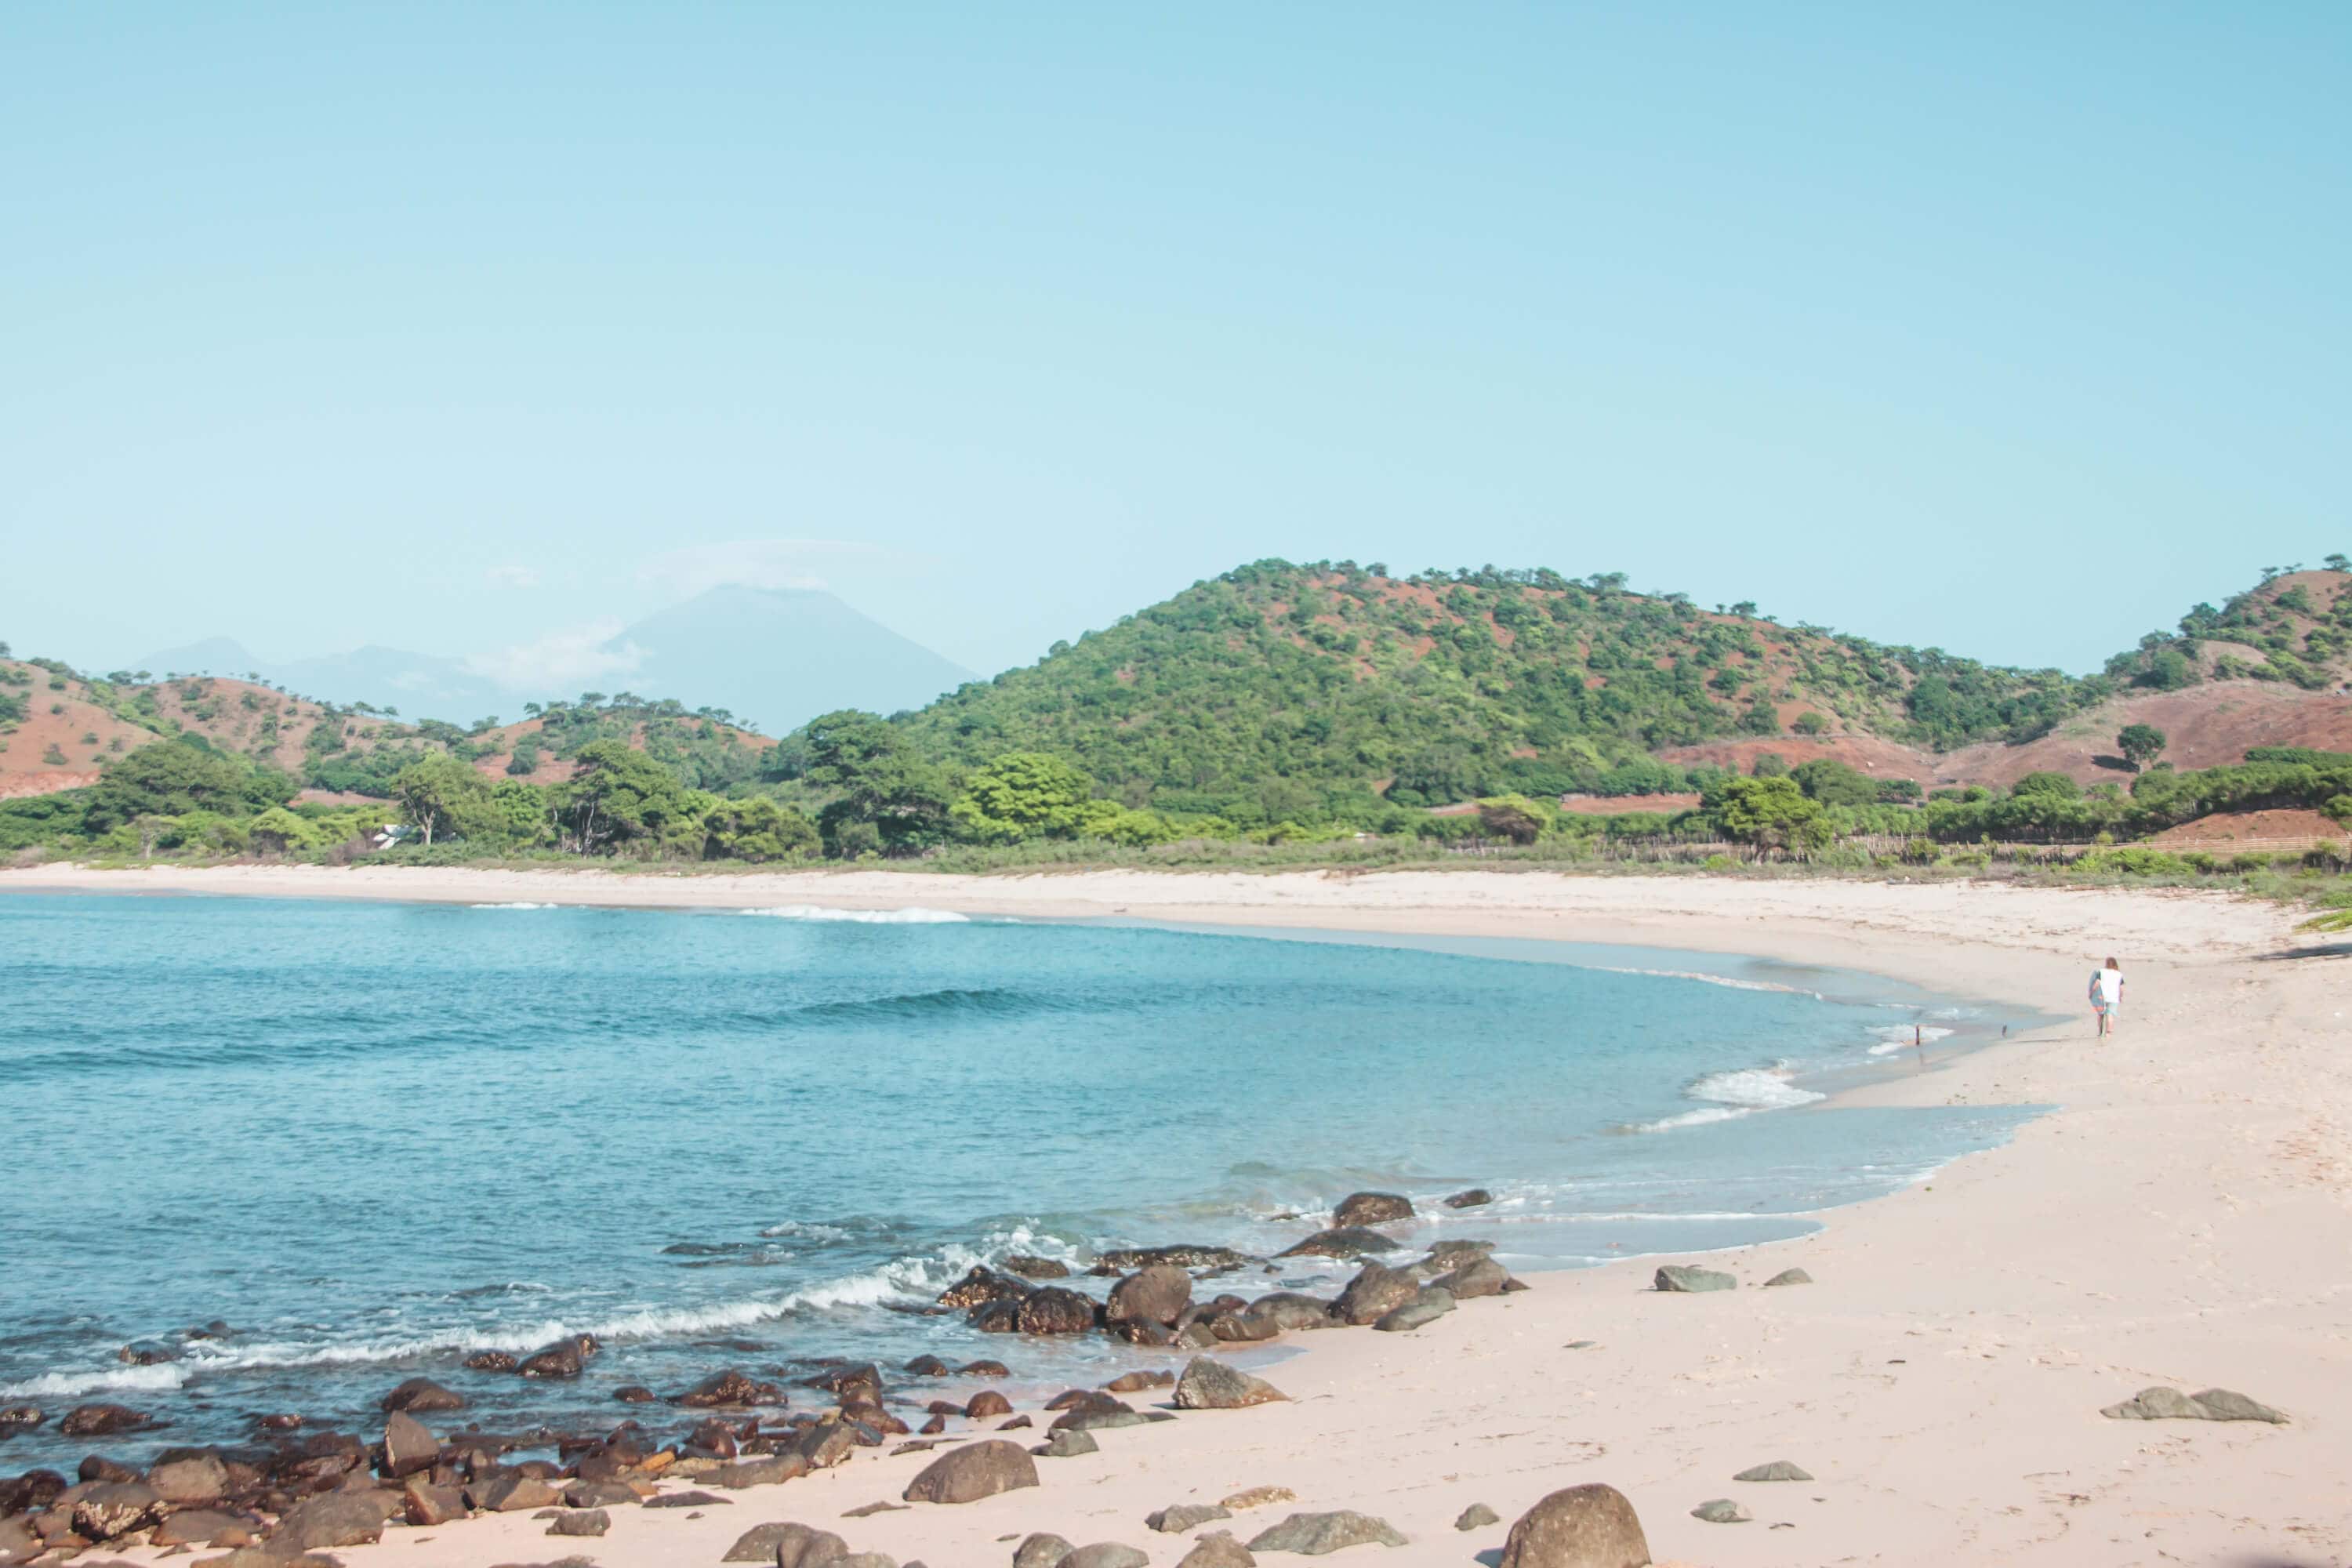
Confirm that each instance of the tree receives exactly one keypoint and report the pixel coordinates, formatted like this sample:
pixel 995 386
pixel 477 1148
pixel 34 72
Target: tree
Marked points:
pixel 1832 782
pixel 616 795
pixel 1023 795
pixel 1770 814
pixel 1516 818
pixel 758 829
pixel 2337 563
pixel 879 784
pixel 278 831
pixel 174 777
pixel 1808 723
pixel 2140 744
pixel 438 793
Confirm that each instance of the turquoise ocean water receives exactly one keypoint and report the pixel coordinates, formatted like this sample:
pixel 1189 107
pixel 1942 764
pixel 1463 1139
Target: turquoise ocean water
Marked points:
pixel 375 1138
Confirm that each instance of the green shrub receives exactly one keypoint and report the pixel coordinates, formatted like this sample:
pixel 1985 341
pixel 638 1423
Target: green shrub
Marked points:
pixel 2135 860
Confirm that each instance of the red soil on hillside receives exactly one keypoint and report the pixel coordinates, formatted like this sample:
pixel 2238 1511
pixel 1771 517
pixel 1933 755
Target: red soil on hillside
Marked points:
pixel 1617 806
pixel 2207 726
pixel 2224 827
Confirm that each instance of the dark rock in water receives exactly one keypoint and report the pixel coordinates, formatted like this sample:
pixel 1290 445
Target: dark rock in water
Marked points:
pixel 1150 1335
pixel 1344 1241
pixel 1137 1382
pixel 984 1369
pixel 1218 1549
pixel 1479 1277
pixel 973 1471
pixel 335 1519
pixel 789 1544
pixel 1240 1327
pixel 996 1317
pixel 712 1439
pixel 927 1366
pixel 2171 1404
pixel 1105 1555
pixel 1788 1277
pixel 980 1286
pixel 33 1490
pixel 1157 1294
pixel 1183 1516
pixel 1590 1526
pixel 102 1421
pixel 1212 1385
pixel 1478 1516
pixel 1067 1443
pixel 1055 1311
pixel 1120 1260
pixel 146 1353
pixel 1041 1551
pixel 1721 1511
pixel 634 1393
pixel 420 1395
pixel 1470 1198
pixel 1313 1534
pixel 1372 1208
pixel 845 1380
pixel 1445 1257
pixel 98 1467
pixel 491 1361
pixel 104 1510
pixel 987 1403
pixel 562 1359
pixel 408 1448
pixel 215 1330
pixel 1374 1291
pixel 1777 1471
pixel 1287 1310
pixel 729 1388
pixel 21 1418
pixel 580 1522
pixel 1030 1268
pixel 1687 1277
pixel 1426 1307
pixel 1194 1337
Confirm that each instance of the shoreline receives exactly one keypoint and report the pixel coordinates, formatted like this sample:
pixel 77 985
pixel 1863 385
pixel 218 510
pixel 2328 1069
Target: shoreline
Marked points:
pixel 2150 1229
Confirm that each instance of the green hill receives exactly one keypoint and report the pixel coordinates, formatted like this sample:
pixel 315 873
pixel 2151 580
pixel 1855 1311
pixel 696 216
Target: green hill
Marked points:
pixel 1331 681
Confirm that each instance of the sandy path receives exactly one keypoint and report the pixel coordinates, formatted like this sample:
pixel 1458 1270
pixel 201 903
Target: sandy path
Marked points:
pixel 2181 1219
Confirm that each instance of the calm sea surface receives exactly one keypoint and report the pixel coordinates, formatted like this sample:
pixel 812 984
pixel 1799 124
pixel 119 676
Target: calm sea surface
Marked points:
pixel 375 1138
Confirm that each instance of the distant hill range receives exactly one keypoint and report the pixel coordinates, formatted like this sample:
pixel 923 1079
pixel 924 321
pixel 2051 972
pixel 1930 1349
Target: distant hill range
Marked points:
pixel 772 656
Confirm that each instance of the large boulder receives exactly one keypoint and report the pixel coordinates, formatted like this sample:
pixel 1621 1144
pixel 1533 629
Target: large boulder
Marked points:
pixel 101 1421
pixel 1374 1291
pixel 105 1510
pixel 1314 1534
pixel 1470 1198
pixel 580 1522
pixel 515 1492
pixel 1288 1310
pixel 1372 1208
pixel 1479 1277
pixel 421 1503
pixel 787 1546
pixel 408 1448
pixel 1055 1310
pixel 420 1395
pixel 973 1471
pixel 1425 1308
pixel 981 1286
pixel 1343 1241
pixel 1686 1278
pixel 1041 1550
pixel 1590 1526
pixel 1212 1385
pixel 2171 1404
pixel 1067 1443
pixel 334 1519
pixel 192 1526
pixel 1155 1295
pixel 729 1387
pixel 1105 1555
pixel 1218 1549
pixel 187 1480
pixel 1180 1517
pixel 562 1359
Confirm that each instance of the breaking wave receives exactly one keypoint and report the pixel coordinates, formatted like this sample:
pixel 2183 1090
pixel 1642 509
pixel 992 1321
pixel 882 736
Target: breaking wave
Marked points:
pixel 907 917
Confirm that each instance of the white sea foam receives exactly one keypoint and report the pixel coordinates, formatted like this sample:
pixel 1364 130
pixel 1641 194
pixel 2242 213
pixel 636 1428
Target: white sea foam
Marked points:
pixel 73 1385
pixel 1741 1091
pixel 1724 979
pixel 907 917
pixel 1896 1038
pixel 520 904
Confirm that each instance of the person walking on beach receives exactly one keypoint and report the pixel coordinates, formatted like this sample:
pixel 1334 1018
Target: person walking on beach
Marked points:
pixel 2107 996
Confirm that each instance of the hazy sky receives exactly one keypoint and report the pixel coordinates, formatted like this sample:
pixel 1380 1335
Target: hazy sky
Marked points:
pixel 2010 329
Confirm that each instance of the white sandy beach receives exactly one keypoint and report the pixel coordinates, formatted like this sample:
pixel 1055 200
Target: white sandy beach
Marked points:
pixel 2180 1219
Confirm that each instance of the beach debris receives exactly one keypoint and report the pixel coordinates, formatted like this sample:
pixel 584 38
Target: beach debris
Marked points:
pixel 2212 1404
pixel 1041 1550
pixel 1788 1277
pixel 1105 1555
pixel 408 1448
pixel 1588 1526
pixel 1218 1549
pixel 1212 1385
pixel 1180 1517
pixel 1581 1345
pixel 1157 1294
pixel 1777 1470
pixel 1721 1511
pixel 1372 1208
pixel 194 1479
pixel 102 1421
pixel 1689 1277
pixel 1313 1534
pixel 1260 1497
pixel 1375 1289
pixel 1478 1516
pixel 1478 1277
pixel 972 1472
pixel 788 1545
pixel 1426 1307
pixel 1343 1241
pixel 420 1396
pixel 580 1522
pixel 866 1510
pixel 1470 1198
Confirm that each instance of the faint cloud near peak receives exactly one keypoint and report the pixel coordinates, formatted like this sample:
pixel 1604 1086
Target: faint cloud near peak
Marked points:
pixel 758 563
pixel 512 576
pixel 562 659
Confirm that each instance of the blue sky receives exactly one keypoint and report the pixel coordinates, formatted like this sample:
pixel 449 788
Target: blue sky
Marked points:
pixel 2013 330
